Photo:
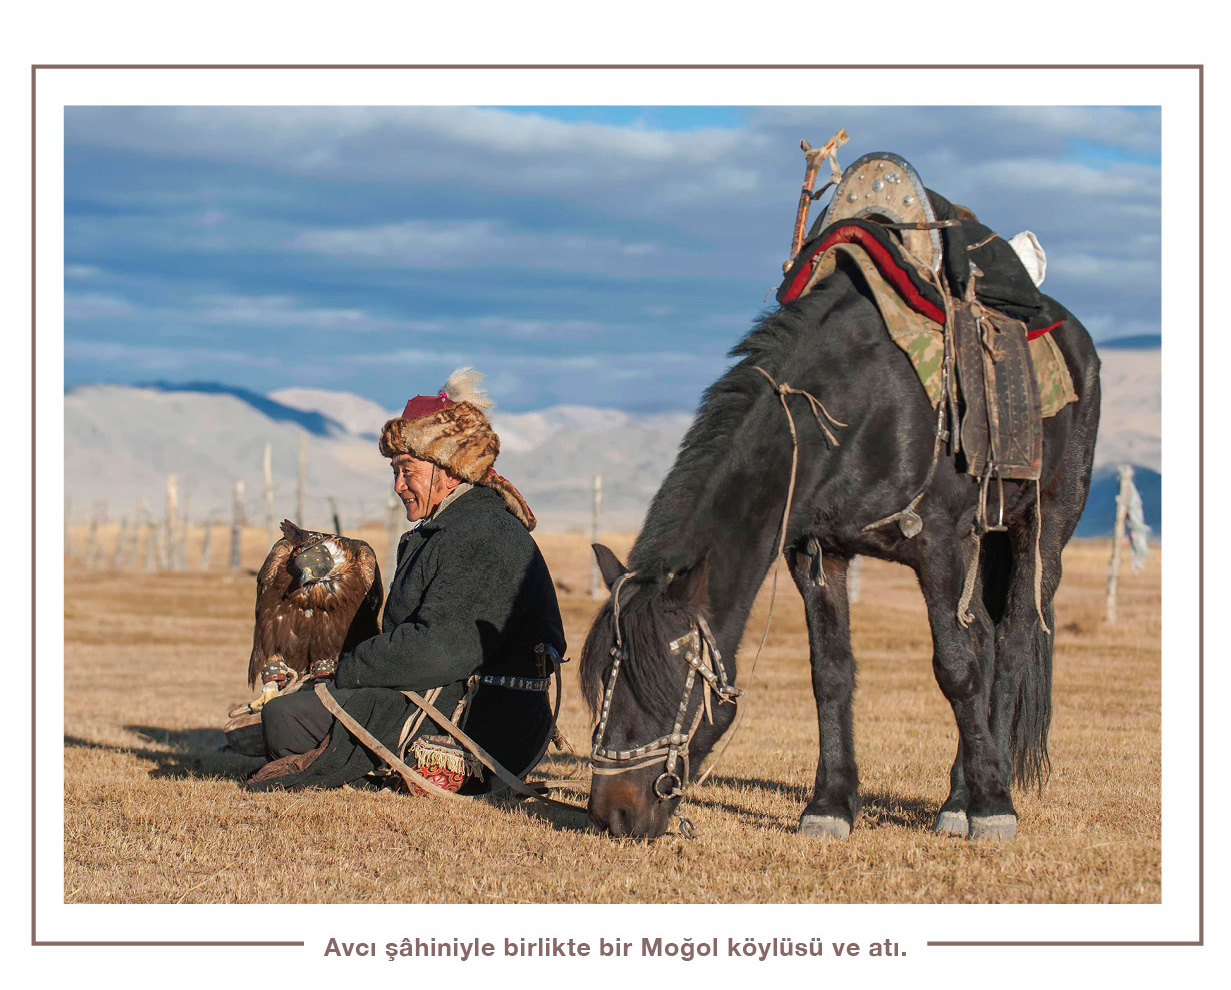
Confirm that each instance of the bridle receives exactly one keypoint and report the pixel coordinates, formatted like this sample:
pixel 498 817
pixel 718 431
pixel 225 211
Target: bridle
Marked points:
pixel 703 660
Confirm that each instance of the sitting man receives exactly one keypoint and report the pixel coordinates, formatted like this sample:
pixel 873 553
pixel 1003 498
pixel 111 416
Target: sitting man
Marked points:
pixel 471 596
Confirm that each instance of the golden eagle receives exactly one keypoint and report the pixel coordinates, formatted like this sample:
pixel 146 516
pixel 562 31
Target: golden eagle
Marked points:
pixel 317 595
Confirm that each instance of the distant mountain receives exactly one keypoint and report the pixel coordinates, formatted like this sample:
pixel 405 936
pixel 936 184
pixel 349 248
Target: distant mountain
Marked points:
pixel 1142 342
pixel 125 440
pixel 311 418
pixel 359 416
pixel 1130 432
pixel 1130 424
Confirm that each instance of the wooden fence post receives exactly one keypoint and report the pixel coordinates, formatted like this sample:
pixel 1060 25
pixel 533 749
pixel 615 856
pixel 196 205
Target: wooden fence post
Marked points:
pixel 119 544
pixel 205 540
pixel 148 547
pixel 91 546
pixel 391 530
pixel 134 538
pixel 303 478
pixel 171 521
pixel 337 521
pixel 185 531
pixel 596 583
pixel 854 575
pixel 237 520
pixel 271 533
pixel 1117 539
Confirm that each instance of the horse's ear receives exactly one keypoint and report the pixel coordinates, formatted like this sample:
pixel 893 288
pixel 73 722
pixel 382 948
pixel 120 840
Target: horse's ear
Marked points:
pixel 608 564
pixel 691 586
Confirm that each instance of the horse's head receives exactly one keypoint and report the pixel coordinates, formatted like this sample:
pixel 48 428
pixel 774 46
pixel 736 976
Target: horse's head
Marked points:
pixel 657 687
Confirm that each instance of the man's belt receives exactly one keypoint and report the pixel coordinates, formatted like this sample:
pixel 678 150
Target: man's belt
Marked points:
pixel 517 683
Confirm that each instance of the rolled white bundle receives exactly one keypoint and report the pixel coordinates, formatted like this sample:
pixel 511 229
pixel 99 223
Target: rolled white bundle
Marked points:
pixel 1032 254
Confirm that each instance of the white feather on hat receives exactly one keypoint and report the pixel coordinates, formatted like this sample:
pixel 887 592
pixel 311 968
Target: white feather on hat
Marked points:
pixel 463 386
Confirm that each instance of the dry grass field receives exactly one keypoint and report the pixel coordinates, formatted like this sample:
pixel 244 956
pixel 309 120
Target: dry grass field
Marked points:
pixel 154 813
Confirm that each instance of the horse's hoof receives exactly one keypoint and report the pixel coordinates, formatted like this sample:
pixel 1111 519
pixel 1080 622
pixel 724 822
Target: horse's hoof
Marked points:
pixel 952 823
pixel 1000 827
pixel 824 827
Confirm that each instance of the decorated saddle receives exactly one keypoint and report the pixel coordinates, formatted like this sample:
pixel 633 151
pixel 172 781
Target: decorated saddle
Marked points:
pixel 933 268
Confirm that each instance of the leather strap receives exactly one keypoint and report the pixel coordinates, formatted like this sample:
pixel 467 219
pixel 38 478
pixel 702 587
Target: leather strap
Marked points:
pixel 413 778
pixel 514 783
pixel 379 748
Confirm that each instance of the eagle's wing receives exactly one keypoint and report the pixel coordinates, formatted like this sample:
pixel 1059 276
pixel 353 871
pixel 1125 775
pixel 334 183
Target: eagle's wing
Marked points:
pixel 272 583
pixel 366 622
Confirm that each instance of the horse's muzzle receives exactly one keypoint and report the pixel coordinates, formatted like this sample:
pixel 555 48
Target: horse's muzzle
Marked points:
pixel 625 805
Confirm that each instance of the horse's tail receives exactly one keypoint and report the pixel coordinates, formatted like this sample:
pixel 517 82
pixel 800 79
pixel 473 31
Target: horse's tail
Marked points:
pixel 1032 714
pixel 1032 710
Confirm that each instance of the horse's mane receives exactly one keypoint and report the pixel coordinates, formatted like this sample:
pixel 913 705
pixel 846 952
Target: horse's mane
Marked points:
pixel 663 546
pixel 706 452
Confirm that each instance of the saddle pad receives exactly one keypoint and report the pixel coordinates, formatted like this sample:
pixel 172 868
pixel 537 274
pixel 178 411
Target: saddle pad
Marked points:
pixel 922 339
pixel 1001 421
pixel 909 278
pixel 1004 284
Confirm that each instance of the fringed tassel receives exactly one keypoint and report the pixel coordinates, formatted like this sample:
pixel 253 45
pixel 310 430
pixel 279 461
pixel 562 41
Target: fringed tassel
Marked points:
pixel 428 754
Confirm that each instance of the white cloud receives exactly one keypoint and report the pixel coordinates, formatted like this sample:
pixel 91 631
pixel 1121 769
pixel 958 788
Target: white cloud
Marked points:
pixel 222 310
pixel 96 307
pixel 159 359
pixel 321 139
pixel 286 312
pixel 1071 178
pixel 1106 269
pixel 444 244
pixel 1123 127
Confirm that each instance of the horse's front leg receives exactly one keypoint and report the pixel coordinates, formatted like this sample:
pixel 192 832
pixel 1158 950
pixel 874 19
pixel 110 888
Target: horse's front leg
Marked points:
pixel 835 802
pixel 963 661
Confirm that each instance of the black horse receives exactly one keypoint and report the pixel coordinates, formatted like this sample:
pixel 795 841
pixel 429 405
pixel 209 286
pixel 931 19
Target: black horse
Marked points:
pixel 656 675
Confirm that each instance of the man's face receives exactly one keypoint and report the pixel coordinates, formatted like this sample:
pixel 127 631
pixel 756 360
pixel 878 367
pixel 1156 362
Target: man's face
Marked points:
pixel 421 485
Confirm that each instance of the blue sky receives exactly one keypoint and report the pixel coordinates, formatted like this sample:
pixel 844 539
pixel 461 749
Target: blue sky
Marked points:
pixel 603 256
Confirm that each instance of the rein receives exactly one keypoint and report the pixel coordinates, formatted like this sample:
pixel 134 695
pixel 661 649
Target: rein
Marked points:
pixel 699 650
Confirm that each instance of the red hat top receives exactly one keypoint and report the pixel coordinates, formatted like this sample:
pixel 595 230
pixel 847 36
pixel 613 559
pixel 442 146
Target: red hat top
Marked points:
pixel 425 405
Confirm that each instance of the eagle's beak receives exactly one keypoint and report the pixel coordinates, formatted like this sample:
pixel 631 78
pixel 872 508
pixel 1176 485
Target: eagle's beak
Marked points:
pixel 307 573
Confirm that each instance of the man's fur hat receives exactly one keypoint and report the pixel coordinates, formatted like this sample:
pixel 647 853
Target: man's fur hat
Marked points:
pixel 450 430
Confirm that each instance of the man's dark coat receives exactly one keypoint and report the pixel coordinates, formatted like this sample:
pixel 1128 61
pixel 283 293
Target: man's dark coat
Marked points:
pixel 471 593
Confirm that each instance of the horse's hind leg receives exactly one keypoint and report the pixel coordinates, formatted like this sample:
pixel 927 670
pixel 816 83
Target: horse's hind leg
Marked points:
pixel 963 660
pixel 994 574
pixel 835 803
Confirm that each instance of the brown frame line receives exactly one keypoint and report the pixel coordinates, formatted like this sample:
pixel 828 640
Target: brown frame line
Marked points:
pixel 1200 69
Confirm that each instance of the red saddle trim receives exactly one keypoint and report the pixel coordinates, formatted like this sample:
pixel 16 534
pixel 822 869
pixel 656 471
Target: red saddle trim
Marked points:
pixel 1042 330
pixel 885 264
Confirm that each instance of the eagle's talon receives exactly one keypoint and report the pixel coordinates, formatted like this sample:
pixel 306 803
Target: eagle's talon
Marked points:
pixel 269 692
